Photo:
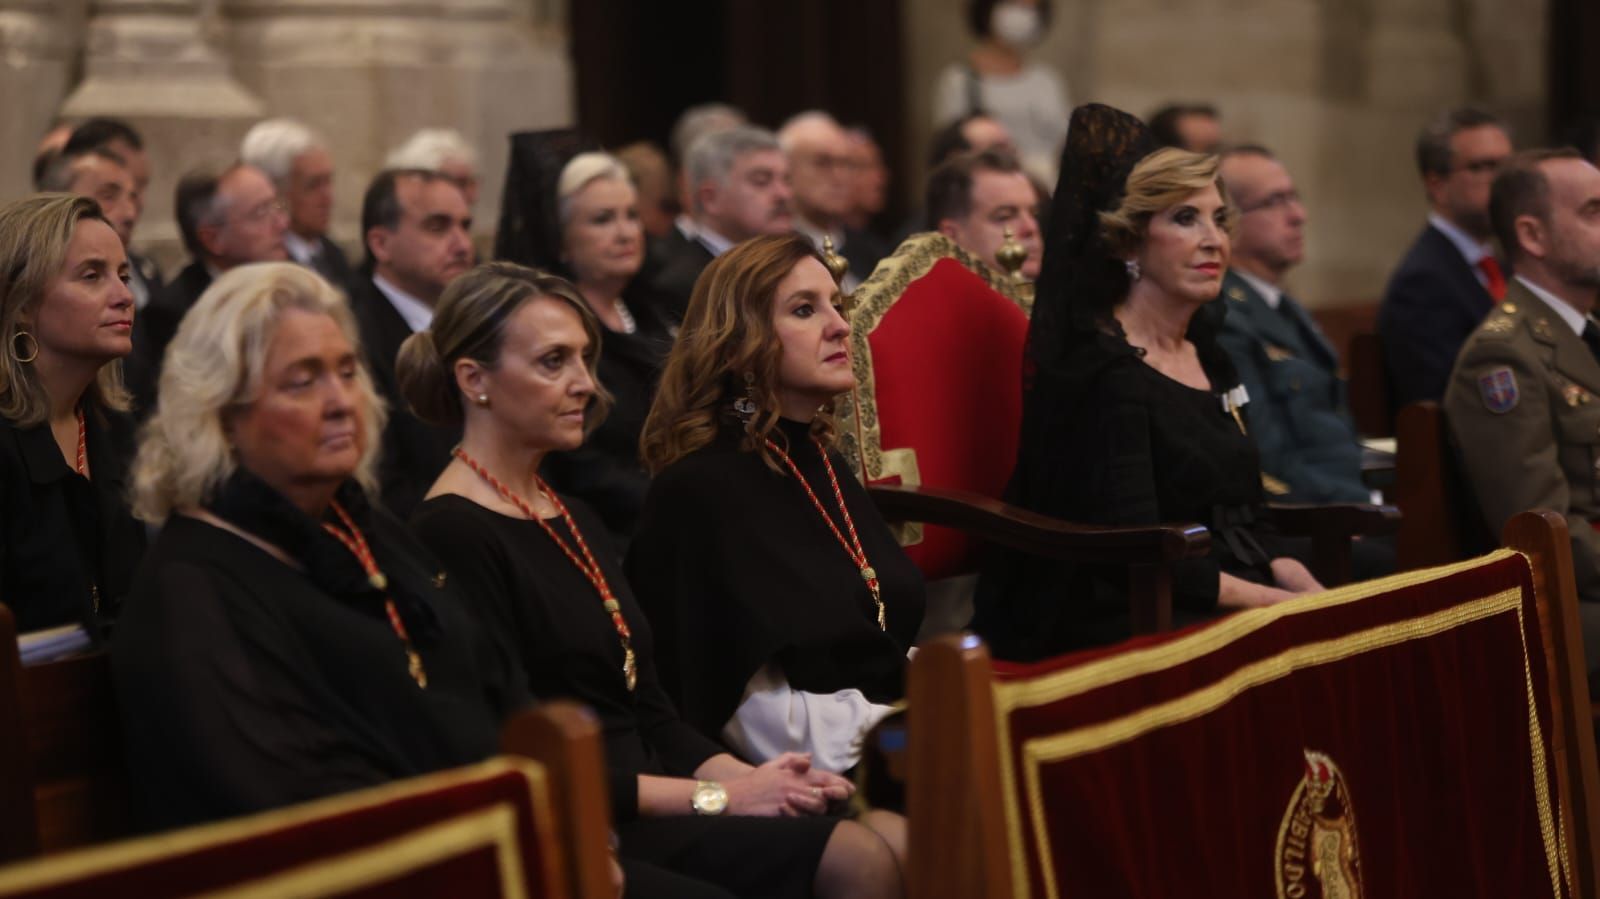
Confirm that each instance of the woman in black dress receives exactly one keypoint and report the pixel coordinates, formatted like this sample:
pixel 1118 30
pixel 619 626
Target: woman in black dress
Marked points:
pixel 511 355
pixel 1132 412
pixel 285 639
pixel 580 220
pixel 68 544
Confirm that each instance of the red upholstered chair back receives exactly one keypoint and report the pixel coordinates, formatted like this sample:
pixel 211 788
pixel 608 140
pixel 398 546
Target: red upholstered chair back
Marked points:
pixel 937 342
pixel 1303 749
pixel 483 831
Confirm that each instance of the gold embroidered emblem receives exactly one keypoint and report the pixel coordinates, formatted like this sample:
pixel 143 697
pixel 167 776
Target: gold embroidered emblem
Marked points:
pixel 1541 328
pixel 1318 855
pixel 1499 324
pixel 1236 295
pixel 1277 353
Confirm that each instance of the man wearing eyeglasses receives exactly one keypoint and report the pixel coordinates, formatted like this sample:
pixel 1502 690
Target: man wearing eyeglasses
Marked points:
pixel 226 219
pixel 1450 278
pixel 1297 410
pixel 822 176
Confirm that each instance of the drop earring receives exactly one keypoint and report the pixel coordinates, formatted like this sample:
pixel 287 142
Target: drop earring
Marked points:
pixel 745 406
pixel 1132 265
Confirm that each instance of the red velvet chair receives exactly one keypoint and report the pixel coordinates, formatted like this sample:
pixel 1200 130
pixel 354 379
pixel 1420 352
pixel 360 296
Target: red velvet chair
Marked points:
pixel 494 829
pixel 1424 734
pixel 937 344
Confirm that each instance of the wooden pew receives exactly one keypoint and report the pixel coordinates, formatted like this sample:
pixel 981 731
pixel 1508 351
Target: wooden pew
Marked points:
pixel 974 834
pixel 66 784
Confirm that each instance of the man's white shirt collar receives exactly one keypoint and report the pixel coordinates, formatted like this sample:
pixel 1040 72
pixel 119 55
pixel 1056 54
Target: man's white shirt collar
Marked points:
pixel 303 251
pixel 1469 247
pixel 1271 294
pixel 713 241
pixel 1574 319
pixel 417 314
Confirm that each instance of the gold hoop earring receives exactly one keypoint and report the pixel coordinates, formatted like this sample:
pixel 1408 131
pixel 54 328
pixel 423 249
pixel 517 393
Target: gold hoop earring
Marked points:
pixel 20 356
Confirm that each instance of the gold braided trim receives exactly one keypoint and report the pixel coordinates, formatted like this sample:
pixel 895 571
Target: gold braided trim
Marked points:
pixel 1063 684
pixel 860 439
pixel 85 863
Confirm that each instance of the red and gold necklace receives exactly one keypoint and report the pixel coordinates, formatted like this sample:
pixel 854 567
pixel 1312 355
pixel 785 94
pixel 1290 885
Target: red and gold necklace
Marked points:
pixel 852 547
pixel 354 541
pixel 83 446
pixel 585 564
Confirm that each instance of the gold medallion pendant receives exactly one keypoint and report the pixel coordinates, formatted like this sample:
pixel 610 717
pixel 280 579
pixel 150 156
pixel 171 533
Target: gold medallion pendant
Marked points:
pixel 630 668
pixel 1318 855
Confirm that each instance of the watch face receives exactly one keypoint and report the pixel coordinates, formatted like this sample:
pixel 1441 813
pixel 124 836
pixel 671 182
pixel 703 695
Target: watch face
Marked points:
pixel 710 799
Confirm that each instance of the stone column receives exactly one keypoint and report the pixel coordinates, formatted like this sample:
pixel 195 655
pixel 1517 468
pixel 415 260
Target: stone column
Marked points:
pixel 38 43
pixel 367 73
pixel 153 63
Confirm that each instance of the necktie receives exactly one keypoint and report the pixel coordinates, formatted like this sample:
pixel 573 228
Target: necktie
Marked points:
pixel 1591 336
pixel 1495 280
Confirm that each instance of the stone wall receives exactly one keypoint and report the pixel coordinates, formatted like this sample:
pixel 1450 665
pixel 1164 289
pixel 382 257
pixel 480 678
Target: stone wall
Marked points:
pixel 1338 88
pixel 193 75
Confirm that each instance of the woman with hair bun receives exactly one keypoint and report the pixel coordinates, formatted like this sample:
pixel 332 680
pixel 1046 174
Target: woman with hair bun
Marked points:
pixel 68 545
pixel 511 354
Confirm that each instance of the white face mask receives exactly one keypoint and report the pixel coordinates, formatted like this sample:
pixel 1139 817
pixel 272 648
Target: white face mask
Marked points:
pixel 1016 24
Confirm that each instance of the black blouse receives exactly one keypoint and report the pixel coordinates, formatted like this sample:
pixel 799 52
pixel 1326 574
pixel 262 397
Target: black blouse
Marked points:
pixel 736 568
pixel 68 545
pixel 550 619
pixel 247 683
pixel 1149 450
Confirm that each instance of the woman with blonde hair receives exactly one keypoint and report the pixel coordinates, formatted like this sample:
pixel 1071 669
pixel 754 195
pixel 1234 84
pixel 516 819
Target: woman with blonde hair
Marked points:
pixel 511 355
pixel 68 545
pixel 785 606
pixel 1132 413
pixel 286 638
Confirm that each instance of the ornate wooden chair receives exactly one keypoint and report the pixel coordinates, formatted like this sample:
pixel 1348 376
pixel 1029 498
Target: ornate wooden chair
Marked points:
pixel 1420 734
pixel 1441 522
pixel 495 829
pixel 63 781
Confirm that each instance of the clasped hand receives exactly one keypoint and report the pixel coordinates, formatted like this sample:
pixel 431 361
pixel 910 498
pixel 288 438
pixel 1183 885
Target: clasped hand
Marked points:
pixel 787 785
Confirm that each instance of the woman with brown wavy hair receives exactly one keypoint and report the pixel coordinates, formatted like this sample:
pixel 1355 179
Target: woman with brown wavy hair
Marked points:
pixel 782 604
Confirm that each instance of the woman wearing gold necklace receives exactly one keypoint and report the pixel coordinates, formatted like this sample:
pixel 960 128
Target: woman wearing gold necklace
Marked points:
pixel 69 545
pixel 512 354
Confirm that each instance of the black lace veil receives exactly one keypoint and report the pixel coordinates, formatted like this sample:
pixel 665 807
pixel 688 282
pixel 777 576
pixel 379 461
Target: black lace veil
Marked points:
pixel 530 224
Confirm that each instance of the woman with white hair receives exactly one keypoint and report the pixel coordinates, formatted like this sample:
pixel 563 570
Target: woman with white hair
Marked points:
pixel 441 150
pixel 574 212
pixel 286 638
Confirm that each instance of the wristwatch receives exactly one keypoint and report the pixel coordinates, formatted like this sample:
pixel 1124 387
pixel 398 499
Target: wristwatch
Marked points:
pixel 709 798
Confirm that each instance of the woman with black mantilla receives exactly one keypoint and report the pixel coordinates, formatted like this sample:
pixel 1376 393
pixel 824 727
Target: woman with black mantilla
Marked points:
pixel 1132 413
pixel 69 545
pixel 785 606
pixel 286 639
pixel 511 355
pixel 574 212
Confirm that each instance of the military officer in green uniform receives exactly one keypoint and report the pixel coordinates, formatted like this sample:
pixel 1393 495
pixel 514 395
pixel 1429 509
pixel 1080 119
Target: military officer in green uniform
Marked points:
pixel 1297 410
pixel 1523 401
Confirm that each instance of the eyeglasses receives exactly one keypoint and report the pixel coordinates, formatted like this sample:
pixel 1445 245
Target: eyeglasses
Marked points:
pixel 1273 202
pixel 1481 166
pixel 264 211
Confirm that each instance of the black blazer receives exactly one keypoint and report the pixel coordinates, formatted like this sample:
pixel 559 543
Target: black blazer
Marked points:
pixel 676 263
pixel 331 263
pixel 414 452
pixel 153 328
pixel 1433 302
pixel 68 547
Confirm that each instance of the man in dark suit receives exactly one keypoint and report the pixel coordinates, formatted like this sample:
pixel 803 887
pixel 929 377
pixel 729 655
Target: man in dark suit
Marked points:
pixel 739 189
pixel 973 198
pixel 1524 400
pixel 226 219
pixel 1449 279
pixel 417 228
pixel 1297 410
pixel 120 140
pixel 297 161
pixel 824 191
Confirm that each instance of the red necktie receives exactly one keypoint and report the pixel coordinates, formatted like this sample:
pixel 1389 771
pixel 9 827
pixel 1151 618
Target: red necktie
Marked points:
pixel 1494 278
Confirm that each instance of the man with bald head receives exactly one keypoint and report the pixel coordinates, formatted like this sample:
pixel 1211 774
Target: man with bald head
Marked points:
pixel 1298 412
pixel 823 184
pixel 1523 401
pixel 226 219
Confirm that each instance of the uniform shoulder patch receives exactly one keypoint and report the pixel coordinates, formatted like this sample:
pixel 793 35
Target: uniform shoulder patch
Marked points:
pixel 1498 387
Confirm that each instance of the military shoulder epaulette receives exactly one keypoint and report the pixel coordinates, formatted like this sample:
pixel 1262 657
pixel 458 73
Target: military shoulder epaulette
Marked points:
pixel 1501 322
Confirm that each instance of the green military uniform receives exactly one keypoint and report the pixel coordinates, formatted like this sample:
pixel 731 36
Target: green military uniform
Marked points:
pixel 1523 403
